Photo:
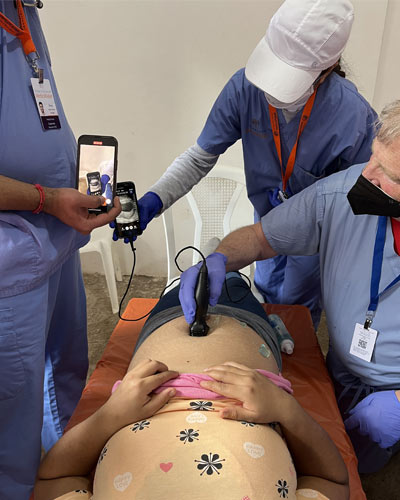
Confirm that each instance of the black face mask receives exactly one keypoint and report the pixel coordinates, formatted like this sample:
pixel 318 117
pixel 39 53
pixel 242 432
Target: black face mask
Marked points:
pixel 366 198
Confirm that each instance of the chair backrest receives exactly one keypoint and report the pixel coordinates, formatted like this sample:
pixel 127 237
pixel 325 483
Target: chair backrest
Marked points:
pixel 212 202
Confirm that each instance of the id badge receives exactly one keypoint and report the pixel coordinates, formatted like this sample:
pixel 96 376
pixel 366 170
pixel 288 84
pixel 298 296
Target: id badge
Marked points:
pixel 363 343
pixel 45 104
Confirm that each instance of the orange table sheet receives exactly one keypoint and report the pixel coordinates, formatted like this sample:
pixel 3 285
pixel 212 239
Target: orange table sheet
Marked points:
pixel 305 368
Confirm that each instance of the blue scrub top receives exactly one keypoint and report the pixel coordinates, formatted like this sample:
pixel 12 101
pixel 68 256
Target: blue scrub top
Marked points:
pixel 31 246
pixel 338 134
pixel 320 220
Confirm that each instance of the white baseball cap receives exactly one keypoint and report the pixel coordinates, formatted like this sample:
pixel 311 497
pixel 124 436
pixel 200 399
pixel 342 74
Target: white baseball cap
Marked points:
pixel 303 38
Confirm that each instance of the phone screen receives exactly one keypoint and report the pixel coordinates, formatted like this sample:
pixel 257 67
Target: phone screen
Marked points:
pixel 97 168
pixel 128 220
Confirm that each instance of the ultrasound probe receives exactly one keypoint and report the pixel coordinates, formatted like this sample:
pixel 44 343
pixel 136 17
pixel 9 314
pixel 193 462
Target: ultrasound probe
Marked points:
pixel 199 327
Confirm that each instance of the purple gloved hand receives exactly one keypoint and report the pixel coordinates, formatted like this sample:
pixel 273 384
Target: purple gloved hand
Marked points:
pixel 216 276
pixel 377 416
pixel 149 205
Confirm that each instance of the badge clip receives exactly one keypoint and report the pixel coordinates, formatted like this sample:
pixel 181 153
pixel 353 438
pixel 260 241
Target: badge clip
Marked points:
pixel 35 3
pixel 33 59
pixel 282 196
pixel 368 320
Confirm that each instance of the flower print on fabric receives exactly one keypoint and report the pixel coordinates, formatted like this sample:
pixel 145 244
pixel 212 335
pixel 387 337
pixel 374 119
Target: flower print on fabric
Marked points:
pixel 102 454
pixel 201 405
pixel 188 435
pixel 248 424
pixel 139 426
pixel 210 463
pixel 283 488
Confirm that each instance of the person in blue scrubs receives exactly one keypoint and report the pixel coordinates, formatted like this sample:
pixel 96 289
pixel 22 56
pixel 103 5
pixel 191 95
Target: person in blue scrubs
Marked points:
pixel 352 219
pixel 43 223
pixel 295 63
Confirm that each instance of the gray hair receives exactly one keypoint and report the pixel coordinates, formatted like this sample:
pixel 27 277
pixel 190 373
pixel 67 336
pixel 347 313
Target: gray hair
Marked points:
pixel 388 127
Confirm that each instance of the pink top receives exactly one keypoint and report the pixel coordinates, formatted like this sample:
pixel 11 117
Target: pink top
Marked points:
pixel 187 385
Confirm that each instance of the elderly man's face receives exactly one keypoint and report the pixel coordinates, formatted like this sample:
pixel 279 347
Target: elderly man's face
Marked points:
pixel 383 168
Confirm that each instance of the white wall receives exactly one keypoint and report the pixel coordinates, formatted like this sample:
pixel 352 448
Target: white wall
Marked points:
pixel 149 71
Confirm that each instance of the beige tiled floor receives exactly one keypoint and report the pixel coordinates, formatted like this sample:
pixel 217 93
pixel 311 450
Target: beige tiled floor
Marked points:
pixel 384 485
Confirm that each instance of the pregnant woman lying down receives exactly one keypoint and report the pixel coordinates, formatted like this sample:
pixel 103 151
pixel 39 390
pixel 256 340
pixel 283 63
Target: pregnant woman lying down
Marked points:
pixel 212 418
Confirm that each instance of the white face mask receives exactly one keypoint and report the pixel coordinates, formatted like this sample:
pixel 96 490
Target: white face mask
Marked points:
pixel 291 107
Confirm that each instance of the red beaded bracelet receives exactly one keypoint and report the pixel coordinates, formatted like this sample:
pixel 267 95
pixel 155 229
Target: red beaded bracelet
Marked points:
pixel 41 201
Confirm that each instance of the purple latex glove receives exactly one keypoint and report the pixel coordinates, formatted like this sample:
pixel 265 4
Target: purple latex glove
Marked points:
pixel 149 205
pixel 104 180
pixel 377 416
pixel 216 276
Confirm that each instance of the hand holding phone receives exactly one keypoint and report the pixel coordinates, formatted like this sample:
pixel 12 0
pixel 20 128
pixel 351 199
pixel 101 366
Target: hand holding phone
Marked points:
pixel 97 168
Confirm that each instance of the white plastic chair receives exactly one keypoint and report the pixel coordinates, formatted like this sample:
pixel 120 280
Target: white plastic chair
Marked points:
pixel 101 242
pixel 212 202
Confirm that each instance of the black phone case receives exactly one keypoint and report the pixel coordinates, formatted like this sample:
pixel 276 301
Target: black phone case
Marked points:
pixel 106 141
pixel 132 228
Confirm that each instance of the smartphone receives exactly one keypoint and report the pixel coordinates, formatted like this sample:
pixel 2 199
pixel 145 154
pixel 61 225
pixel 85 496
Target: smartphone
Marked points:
pixel 97 168
pixel 127 222
pixel 94 183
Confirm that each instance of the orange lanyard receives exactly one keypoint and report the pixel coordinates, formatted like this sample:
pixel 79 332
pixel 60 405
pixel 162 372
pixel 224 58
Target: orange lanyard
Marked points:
pixel 273 116
pixel 22 32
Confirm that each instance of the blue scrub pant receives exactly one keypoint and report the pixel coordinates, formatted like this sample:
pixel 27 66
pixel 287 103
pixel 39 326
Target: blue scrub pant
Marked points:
pixel 291 280
pixel 43 345
pixel 238 296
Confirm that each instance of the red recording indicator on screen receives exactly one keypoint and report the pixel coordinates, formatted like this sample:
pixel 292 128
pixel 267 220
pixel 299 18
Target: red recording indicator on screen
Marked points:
pixel 97 143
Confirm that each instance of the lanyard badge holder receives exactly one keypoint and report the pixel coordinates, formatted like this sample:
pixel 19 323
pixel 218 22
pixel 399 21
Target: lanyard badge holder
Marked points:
pixel 22 32
pixel 35 3
pixel 364 336
pixel 41 88
pixel 281 195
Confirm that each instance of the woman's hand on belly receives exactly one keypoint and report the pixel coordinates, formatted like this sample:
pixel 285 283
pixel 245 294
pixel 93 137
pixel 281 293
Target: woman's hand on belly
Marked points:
pixel 133 399
pixel 76 453
pixel 317 460
pixel 262 401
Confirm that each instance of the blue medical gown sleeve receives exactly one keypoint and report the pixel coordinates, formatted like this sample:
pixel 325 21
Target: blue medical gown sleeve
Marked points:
pixel 363 131
pixel 294 227
pixel 222 128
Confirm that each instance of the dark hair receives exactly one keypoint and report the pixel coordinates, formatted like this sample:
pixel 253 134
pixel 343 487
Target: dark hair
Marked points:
pixel 337 69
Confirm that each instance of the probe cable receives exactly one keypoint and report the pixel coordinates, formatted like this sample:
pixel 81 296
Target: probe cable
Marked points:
pixel 174 281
